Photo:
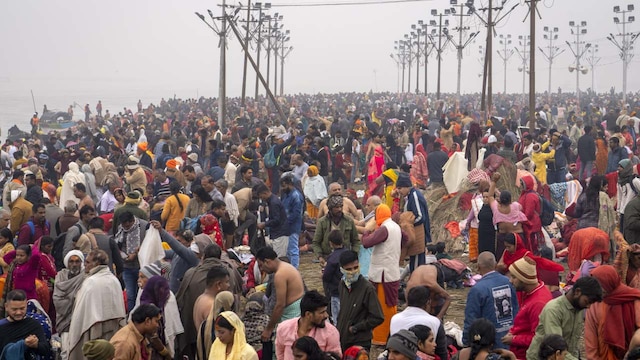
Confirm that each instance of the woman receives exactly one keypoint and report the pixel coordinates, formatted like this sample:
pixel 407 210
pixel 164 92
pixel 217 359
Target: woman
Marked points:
pixel 515 250
pixel 486 230
pixel 307 348
pixel 156 291
pixel 426 341
pixel 230 343
pixel 375 158
pixel 355 153
pixel 6 246
pixel 602 154
pixel 586 210
pixel 224 301
pixel 355 352
pixel 47 270
pixel 39 314
pixel 119 195
pixel 477 203
pixel 472 149
pixel 625 189
pixel 90 182
pixel 200 203
pixel 255 320
pixel 588 244
pixel 507 215
pixel 553 347
pixel 174 208
pixel 314 191
pixel 388 178
pixel 22 274
pixel 482 337
pixel 419 169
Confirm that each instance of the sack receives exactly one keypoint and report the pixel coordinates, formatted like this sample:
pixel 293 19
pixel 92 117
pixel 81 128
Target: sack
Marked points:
pixel 547 212
pixel 270 160
pixel 151 248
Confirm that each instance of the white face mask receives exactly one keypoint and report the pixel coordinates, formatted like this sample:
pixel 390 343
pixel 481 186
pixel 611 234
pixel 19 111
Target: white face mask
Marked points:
pixel 349 277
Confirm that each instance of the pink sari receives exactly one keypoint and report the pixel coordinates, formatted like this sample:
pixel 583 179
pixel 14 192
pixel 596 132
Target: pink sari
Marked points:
pixel 376 164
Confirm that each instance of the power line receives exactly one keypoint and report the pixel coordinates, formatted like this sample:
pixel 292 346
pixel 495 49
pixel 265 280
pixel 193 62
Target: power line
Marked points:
pixel 348 3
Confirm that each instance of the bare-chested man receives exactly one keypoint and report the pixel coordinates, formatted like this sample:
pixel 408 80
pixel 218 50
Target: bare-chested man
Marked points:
pixel 427 275
pixel 348 207
pixel 217 281
pixel 288 287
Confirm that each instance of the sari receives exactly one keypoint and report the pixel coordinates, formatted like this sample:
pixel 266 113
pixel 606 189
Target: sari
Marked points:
pixel 521 251
pixel 240 349
pixel 602 153
pixel 376 164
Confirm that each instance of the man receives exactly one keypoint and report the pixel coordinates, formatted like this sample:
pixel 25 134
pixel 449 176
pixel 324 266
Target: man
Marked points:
pixel 34 192
pixel 557 169
pixel 564 316
pixel 293 202
pixel 228 226
pixel 287 285
pixel 130 342
pixel 203 309
pixel 183 257
pixel 524 148
pixel 100 240
pixel 128 236
pixel 108 200
pixel 80 192
pixel 68 218
pixel 335 219
pixel 161 184
pixel 276 221
pixel 90 321
pixel 311 322
pixel 131 204
pixel 299 166
pixel 15 184
pixel 435 161
pixel 82 226
pixel 535 295
pixel 610 325
pixel 52 213
pixel 18 327
pixel 141 153
pixel 134 176
pixel 246 179
pixel 430 276
pixel 21 211
pixel 493 298
pixel 587 152
pixel 36 227
pixel 417 313
pixel 416 203
pixel 576 132
pixel 192 178
pixel 360 310
pixel 616 154
pixel 348 207
pixel 192 160
pixel 247 219
pixel 228 168
pixel 67 284
pixel 210 186
pixel 368 223
pixel 507 150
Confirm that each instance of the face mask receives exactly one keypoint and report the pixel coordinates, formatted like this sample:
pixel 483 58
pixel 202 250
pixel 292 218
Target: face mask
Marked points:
pixel 349 277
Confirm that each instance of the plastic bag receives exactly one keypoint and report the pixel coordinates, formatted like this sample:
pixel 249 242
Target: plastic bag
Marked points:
pixel 151 249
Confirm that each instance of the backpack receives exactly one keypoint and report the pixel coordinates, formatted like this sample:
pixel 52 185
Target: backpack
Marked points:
pixel 58 247
pixel 547 212
pixel 190 223
pixel 270 160
pixel 32 227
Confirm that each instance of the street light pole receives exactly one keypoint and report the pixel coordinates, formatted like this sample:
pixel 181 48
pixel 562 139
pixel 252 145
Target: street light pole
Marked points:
pixel 261 18
pixel 246 55
pixel 551 34
pixel 460 45
pixel 442 31
pixel 625 46
pixel 524 56
pixel 505 55
pixel 579 30
pixel 593 62
pixel 283 54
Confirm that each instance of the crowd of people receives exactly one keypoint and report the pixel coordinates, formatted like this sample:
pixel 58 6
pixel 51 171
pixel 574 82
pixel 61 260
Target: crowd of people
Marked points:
pixel 157 233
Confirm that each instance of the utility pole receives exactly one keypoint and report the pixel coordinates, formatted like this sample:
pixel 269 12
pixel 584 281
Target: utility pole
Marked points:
pixel 460 45
pixel 417 31
pixel 284 52
pixel 579 30
pixel 551 34
pixel 532 63
pixel 625 46
pixel 593 62
pixel 427 52
pixel 222 33
pixel 524 69
pixel 408 42
pixel 505 55
pixel 246 54
pixel 442 32
pixel 402 58
pixel 397 61
pixel 261 18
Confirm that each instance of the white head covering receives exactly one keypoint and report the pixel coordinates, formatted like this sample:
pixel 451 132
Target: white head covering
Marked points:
pixel 15 194
pixel 71 253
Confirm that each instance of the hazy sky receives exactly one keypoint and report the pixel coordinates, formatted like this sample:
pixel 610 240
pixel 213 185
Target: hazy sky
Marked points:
pixel 160 47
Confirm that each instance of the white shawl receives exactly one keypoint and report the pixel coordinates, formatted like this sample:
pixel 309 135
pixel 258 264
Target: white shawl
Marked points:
pixel 315 190
pixel 70 178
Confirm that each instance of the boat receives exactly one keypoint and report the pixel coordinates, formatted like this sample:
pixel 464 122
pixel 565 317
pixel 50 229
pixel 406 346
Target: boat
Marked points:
pixel 56 120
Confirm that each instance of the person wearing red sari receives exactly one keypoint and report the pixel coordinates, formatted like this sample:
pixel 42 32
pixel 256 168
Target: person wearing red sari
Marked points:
pixel 611 325
pixel 531 207
pixel 419 169
pixel 515 250
pixel 375 157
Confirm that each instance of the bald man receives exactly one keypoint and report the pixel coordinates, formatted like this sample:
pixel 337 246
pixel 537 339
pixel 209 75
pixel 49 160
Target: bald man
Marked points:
pixel 348 207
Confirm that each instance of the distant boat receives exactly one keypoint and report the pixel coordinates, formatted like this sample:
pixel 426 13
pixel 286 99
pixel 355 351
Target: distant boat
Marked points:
pixel 56 120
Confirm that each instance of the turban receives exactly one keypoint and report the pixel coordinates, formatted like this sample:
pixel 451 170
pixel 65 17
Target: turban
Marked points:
pixel 335 201
pixel 383 212
pixel 172 164
pixel 71 253
pixel 142 146
pixel 313 171
pixel 98 350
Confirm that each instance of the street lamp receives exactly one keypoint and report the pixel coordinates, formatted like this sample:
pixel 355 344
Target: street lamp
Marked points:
pixel 578 30
pixel 505 55
pixel 626 45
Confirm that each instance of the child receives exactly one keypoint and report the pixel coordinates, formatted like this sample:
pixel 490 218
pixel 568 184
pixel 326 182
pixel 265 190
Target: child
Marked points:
pixel 332 275
pixel 6 246
pixel 440 251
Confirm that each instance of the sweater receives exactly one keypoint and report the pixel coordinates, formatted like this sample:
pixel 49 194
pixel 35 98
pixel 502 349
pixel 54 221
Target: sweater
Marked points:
pixel 525 323
pixel 360 309
pixel 182 259
pixel 173 211
pixel 15 331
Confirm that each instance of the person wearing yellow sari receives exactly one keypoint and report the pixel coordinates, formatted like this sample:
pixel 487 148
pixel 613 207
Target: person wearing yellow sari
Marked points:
pixel 230 343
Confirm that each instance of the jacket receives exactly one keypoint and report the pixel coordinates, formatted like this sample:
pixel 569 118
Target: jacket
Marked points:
pixel 182 259
pixel 525 323
pixel 293 203
pixel 540 159
pixel 321 238
pixel 632 221
pixel 360 308
pixel 20 214
pixel 331 275
pixel 493 298
pixel 127 342
pixel 136 179
pixel 277 222
pixel 587 148
pixel 562 150
pixel 614 158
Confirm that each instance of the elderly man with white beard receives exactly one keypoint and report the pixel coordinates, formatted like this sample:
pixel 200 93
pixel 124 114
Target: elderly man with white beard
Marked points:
pixel 67 284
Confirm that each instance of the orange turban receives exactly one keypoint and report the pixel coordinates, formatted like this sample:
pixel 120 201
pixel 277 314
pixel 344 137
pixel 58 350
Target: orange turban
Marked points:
pixel 172 164
pixel 383 212
pixel 313 171
pixel 142 146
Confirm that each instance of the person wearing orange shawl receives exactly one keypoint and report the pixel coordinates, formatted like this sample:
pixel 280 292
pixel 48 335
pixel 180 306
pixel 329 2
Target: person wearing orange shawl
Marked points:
pixel 384 271
pixel 375 158
pixel 588 244
pixel 627 265
pixel 515 250
pixel 610 325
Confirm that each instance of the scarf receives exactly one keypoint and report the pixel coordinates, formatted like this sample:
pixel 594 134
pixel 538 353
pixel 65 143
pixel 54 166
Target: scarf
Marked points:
pixel 626 174
pixel 620 299
pixel 157 292
pixel 223 302
pixel 130 239
pixel 349 277
pixel 64 296
pixel 219 350
pixel 8 286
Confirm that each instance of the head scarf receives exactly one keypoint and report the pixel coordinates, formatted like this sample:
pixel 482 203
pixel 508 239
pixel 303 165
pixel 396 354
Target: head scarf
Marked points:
pixel 224 302
pixel 625 176
pixel 98 350
pixel 420 149
pixel 313 171
pixel 157 292
pixel 355 352
pixel 219 350
pixel 71 253
pixel 621 299
pixel 335 201
pixel 383 212
pixel 142 146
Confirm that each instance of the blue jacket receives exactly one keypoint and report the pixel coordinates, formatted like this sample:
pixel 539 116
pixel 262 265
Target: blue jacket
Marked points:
pixel 561 152
pixel 493 298
pixel 293 203
pixel 614 158
pixel 417 204
pixel 182 259
pixel 277 222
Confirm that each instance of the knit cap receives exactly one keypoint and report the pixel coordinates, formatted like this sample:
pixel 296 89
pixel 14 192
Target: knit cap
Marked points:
pixel 524 269
pixel 405 342
pixel 98 350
